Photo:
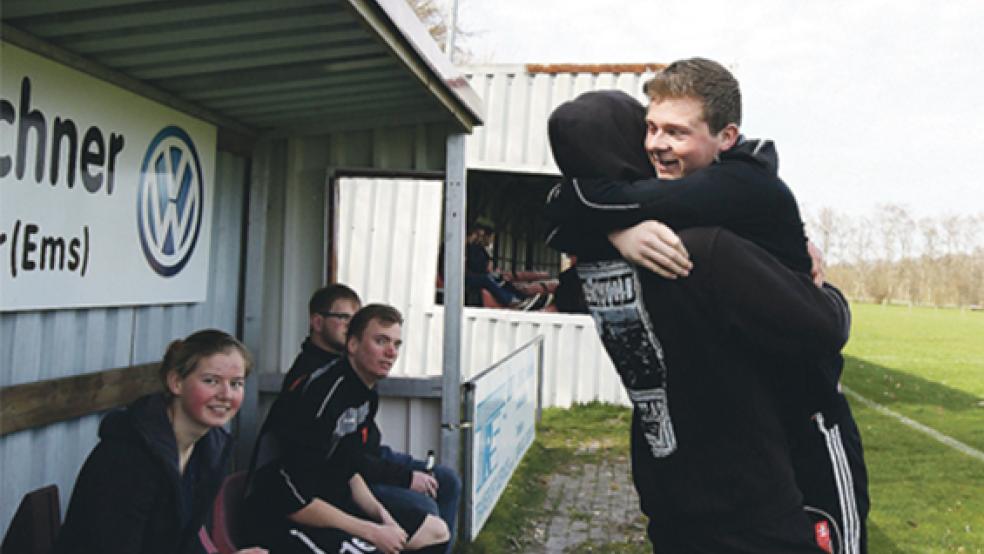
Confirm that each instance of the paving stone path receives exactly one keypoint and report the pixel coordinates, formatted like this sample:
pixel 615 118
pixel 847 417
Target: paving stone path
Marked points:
pixel 591 506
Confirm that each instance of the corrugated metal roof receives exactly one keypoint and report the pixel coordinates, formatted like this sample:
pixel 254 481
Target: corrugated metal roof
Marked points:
pixel 257 65
pixel 520 98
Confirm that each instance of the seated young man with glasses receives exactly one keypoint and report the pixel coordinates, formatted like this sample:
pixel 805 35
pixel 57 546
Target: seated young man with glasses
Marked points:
pixel 395 478
pixel 329 312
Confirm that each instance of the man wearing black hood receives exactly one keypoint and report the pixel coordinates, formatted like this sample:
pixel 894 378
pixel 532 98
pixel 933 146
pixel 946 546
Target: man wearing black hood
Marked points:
pixel 710 175
pixel 712 467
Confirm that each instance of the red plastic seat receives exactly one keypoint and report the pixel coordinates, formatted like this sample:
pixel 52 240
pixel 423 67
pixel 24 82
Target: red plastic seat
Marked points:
pixel 35 524
pixel 227 526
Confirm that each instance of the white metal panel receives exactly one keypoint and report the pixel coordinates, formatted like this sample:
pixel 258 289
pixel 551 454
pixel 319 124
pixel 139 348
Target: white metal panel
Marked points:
pixel 576 367
pixel 389 236
pixel 302 257
pixel 497 102
pixel 296 222
pixel 411 425
pixel 538 153
pixel 518 104
pixel 517 110
pixel 480 83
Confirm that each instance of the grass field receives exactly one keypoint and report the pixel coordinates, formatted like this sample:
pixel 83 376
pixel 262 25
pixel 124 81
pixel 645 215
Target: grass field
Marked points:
pixel 927 498
pixel 928 365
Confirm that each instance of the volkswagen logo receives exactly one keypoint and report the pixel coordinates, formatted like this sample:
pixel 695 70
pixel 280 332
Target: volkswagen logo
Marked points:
pixel 170 201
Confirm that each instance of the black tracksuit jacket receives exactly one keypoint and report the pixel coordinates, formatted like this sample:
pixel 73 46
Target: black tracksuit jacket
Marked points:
pixel 374 469
pixel 315 438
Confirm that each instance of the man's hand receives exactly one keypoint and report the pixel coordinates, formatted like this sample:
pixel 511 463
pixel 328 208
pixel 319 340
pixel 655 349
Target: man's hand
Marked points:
pixel 816 263
pixel 385 518
pixel 655 247
pixel 424 484
pixel 388 538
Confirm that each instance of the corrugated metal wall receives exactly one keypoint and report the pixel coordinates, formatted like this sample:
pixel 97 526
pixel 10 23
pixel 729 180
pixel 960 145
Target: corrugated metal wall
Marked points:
pixel 514 136
pixel 411 425
pixel 389 236
pixel 296 220
pixel 49 344
pixel 296 259
pixel 576 367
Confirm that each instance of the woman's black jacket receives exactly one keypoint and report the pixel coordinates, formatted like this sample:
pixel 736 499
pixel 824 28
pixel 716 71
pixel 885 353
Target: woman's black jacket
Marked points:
pixel 128 496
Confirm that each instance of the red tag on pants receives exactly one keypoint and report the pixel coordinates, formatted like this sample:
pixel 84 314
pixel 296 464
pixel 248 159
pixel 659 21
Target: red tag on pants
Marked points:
pixel 822 533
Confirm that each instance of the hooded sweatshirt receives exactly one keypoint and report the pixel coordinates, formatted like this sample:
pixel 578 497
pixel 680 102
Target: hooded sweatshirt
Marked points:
pixel 700 357
pixel 597 141
pixel 130 498
pixel 376 469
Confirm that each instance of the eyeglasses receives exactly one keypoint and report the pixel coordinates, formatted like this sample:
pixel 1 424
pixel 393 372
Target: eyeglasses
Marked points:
pixel 340 315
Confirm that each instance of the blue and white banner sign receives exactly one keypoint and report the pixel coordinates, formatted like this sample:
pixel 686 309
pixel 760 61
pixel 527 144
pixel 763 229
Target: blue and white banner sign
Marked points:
pixel 503 412
pixel 105 196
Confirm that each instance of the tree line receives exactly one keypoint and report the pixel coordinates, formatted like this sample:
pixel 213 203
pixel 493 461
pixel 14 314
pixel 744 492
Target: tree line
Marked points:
pixel 890 255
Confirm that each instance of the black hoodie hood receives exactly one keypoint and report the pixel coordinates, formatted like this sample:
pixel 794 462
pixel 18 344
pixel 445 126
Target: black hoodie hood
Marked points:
pixel 145 421
pixel 761 152
pixel 600 134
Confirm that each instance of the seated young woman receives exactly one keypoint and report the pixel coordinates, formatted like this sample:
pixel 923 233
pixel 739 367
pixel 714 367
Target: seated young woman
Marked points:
pixel 149 484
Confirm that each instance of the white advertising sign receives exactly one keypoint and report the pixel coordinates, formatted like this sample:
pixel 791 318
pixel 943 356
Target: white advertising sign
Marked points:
pixel 105 196
pixel 504 423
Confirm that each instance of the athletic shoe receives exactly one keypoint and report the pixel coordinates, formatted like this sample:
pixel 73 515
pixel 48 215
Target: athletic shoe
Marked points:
pixel 528 303
pixel 543 301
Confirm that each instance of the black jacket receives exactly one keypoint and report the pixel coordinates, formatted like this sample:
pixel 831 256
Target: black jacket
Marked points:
pixel 375 469
pixel 476 259
pixel 702 358
pixel 311 358
pixel 610 185
pixel 128 495
pixel 597 141
pixel 311 445
pixel 699 357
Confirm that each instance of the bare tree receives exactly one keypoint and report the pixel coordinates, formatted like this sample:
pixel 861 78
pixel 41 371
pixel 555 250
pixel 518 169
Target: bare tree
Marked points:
pixel 432 14
pixel 893 257
pixel 824 232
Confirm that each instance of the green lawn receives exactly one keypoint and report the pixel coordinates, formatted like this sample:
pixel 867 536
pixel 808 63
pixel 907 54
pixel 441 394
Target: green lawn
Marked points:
pixel 927 498
pixel 562 436
pixel 927 364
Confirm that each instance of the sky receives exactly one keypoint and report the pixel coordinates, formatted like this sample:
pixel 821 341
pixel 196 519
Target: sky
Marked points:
pixel 870 102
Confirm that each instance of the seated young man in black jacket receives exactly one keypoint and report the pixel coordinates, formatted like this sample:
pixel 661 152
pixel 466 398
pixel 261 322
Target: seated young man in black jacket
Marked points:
pixel 396 479
pixel 596 142
pixel 306 492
